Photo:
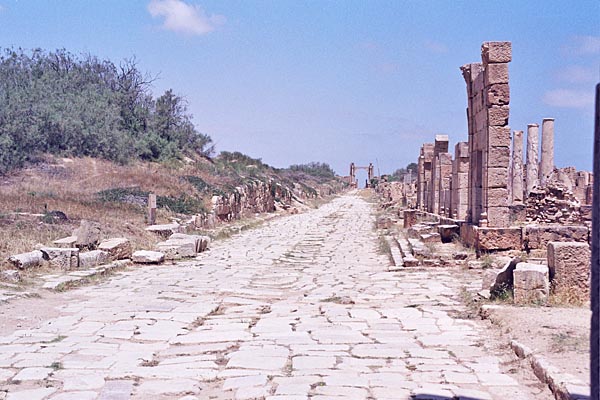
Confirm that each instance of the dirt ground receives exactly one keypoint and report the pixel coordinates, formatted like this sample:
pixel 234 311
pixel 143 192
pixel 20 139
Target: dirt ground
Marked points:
pixel 560 335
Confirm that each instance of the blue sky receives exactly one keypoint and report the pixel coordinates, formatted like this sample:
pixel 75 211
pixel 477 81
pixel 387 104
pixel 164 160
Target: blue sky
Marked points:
pixel 336 81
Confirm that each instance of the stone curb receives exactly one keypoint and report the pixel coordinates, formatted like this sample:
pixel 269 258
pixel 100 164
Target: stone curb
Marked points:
pixel 563 386
pixel 80 276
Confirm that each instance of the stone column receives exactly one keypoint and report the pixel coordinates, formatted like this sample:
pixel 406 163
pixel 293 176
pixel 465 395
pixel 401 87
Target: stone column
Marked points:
pixel 517 167
pixel 532 177
pixel 547 158
pixel 595 264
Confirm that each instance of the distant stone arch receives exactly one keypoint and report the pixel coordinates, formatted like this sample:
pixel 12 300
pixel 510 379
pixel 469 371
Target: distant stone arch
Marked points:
pixel 370 173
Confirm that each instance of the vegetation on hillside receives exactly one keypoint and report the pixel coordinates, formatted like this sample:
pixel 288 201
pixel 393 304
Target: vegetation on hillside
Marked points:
pixel 398 175
pixel 62 104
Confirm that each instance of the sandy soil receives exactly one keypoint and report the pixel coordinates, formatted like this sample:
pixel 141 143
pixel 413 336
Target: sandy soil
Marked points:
pixel 561 335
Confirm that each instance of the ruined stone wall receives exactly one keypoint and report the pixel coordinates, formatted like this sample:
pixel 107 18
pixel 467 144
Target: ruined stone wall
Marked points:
pixel 489 135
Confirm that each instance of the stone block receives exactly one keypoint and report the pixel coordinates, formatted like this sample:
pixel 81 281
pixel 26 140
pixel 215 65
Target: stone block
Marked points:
pixel 461 150
pixel 430 238
pixel 448 233
pixel 531 283
pixel 492 239
pixel 569 264
pixel 164 230
pixel 500 280
pixel 88 234
pixel 118 248
pixel 496 52
pixel 498 94
pixel 10 275
pixel 409 217
pixel 201 242
pixel 499 217
pixel 498 116
pixel 67 242
pixel 27 260
pixel 498 156
pixel 90 259
pixel 538 236
pixel 175 249
pixel 497 177
pixel 496 73
pixel 497 197
pixel 62 258
pixel 148 257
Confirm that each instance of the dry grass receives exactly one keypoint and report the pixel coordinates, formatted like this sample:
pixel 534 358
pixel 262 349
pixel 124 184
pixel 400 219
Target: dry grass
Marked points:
pixel 567 296
pixel 71 186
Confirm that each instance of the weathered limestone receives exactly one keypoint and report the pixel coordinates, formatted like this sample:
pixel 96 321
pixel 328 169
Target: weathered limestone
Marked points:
pixel 489 135
pixel 460 181
pixel 532 175
pixel 547 158
pixel 93 258
pixel 66 242
pixel 88 234
pixel 164 230
pixel 517 167
pixel 437 173
pixel 444 163
pixel 180 245
pixel 538 236
pixel 118 248
pixel 424 176
pixel 27 260
pixel 531 283
pixel 201 242
pixel 147 257
pixel 569 265
pixel 62 258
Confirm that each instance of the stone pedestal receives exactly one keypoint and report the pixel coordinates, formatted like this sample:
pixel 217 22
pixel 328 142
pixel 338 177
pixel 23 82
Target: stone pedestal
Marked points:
pixel 547 155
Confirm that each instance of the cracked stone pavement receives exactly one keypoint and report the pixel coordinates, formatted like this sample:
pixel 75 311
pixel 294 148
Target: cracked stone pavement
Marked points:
pixel 303 307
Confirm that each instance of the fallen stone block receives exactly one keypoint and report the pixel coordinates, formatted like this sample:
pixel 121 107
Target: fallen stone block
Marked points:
pixel 498 281
pixel 165 230
pixel 409 217
pixel 531 283
pixel 87 235
pixel 384 223
pixel 417 230
pixel 448 233
pixel 27 260
pixel 202 242
pixel 10 275
pixel 569 265
pixel 148 257
pixel 93 258
pixel 118 248
pixel 62 258
pixel 175 249
pixel 67 242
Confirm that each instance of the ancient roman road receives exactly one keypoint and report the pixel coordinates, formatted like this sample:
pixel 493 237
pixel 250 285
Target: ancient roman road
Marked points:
pixel 302 307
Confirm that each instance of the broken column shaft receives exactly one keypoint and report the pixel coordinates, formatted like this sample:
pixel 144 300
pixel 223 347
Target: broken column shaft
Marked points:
pixel 547 158
pixel 532 177
pixel 517 167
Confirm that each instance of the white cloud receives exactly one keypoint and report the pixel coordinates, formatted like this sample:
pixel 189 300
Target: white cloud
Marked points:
pixel 184 18
pixel 578 74
pixel 584 45
pixel 569 98
pixel 436 47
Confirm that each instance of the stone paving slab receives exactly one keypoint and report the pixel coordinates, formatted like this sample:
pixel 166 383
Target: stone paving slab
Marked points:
pixel 302 308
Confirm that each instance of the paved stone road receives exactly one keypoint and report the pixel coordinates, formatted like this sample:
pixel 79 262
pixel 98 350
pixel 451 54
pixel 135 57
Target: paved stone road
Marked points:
pixel 303 307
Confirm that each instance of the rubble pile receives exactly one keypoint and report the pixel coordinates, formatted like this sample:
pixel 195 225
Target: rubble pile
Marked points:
pixel 553 204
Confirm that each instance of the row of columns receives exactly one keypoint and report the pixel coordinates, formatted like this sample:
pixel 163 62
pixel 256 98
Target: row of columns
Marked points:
pixel 536 172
